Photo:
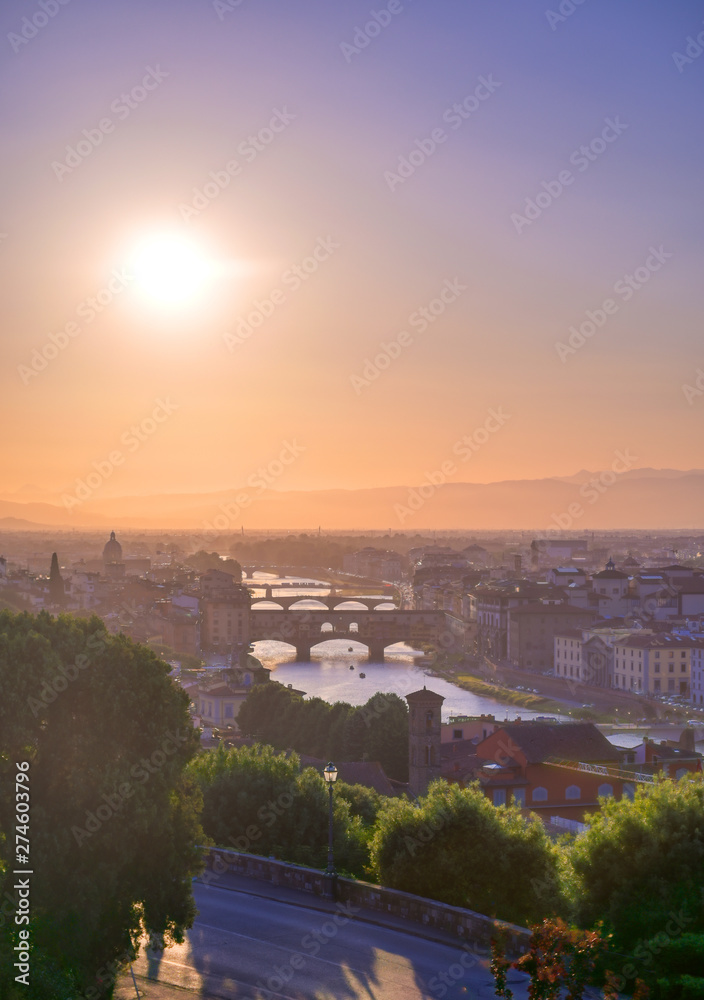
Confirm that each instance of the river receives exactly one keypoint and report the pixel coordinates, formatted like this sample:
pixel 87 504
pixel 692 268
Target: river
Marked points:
pixel 328 674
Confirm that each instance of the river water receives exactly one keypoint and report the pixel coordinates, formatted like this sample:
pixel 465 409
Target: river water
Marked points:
pixel 328 674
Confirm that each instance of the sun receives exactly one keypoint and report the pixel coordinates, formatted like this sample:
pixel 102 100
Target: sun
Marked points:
pixel 170 269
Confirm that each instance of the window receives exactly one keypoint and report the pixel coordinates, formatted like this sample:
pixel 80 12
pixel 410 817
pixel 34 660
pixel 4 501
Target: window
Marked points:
pixel 229 711
pixel 457 734
pixel 519 797
pixel 499 796
pixel 540 794
pixel 656 684
pixel 573 792
pixel 605 789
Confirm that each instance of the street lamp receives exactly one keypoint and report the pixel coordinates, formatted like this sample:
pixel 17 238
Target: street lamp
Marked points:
pixel 330 776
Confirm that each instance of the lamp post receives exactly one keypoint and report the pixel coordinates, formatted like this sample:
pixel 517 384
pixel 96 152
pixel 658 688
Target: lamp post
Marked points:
pixel 330 776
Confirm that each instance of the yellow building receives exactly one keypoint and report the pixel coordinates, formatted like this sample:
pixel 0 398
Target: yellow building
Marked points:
pixel 654 664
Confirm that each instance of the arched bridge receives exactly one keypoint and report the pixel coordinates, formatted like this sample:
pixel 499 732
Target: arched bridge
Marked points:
pixel 331 603
pixel 305 628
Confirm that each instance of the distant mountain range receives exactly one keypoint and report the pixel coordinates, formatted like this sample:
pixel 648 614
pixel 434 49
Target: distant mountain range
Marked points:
pixel 640 499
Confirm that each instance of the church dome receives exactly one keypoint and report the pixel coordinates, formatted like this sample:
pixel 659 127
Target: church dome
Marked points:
pixel 112 553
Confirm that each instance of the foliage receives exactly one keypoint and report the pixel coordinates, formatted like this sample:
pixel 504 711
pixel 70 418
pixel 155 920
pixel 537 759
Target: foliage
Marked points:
pixel 560 960
pixel 260 802
pixel 363 802
pixel 640 863
pixel 457 847
pixel 114 821
pixel 673 966
pixel 283 719
pixel 202 561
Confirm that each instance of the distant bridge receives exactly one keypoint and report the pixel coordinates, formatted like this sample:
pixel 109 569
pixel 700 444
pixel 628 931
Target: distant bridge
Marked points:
pixel 306 628
pixel 331 603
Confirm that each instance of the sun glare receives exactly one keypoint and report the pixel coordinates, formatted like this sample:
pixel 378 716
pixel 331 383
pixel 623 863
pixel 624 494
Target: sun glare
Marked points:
pixel 169 269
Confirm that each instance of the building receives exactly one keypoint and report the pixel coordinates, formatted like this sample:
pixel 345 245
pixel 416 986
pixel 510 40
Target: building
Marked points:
pixel 424 739
pixel 586 655
pixel 224 606
pixel 611 582
pixel 494 601
pixel 177 627
pixel 697 674
pixel 532 630
pixel 217 701
pixel 654 664
pixel 377 564
pixel 466 727
pixel 567 576
pixel 524 763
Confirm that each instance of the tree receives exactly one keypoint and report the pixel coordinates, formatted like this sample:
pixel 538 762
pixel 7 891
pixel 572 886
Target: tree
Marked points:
pixel 260 802
pixel 114 821
pixel 377 730
pixel 640 865
pixel 57 591
pixel 455 846
pixel 202 561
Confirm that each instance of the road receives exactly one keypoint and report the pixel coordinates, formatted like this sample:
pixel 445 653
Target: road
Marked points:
pixel 252 947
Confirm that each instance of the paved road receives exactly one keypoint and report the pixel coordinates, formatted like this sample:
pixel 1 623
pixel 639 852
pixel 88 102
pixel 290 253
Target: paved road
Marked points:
pixel 252 947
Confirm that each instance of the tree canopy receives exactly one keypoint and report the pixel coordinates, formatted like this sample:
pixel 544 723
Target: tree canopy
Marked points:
pixel 260 802
pixel 639 863
pixel 378 730
pixel 455 846
pixel 113 819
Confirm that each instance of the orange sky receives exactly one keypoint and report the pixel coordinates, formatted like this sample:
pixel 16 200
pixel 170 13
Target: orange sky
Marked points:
pixel 321 180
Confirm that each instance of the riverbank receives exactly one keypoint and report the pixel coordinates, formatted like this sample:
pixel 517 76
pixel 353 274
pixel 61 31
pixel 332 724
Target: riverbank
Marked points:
pixel 498 692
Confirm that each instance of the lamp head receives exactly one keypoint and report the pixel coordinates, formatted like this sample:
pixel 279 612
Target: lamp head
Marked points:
pixel 330 773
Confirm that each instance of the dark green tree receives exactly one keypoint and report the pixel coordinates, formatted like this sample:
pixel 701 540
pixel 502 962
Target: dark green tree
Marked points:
pixel 455 846
pixel 260 802
pixel 641 862
pixel 114 821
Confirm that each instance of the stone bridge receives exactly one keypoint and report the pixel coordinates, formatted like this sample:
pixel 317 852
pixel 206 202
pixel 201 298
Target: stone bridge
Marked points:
pixel 305 628
pixel 331 603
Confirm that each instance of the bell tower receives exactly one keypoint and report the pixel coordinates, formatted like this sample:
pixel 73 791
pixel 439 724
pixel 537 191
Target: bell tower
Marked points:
pixel 423 739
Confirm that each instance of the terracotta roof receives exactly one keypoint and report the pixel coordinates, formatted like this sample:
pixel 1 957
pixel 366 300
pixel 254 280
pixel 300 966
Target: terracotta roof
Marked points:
pixel 415 695
pixel 571 740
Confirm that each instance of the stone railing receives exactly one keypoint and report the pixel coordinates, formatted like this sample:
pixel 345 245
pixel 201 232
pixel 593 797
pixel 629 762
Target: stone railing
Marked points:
pixel 466 925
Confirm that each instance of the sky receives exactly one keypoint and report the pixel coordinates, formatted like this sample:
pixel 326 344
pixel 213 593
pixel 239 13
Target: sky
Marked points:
pixel 233 229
